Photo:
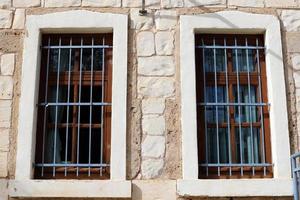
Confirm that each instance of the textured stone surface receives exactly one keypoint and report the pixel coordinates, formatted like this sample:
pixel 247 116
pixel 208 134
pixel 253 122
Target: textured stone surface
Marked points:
pixel 154 146
pixel 296 61
pixel 246 3
pixel 165 19
pixel 145 43
pixel 153 125
pixel 140 22
pixel 5 18
pixel 5 3
pixel 193 3
pixel 3 189
pixel 291 20
pixel 297 78
pixel 138 3
pixel 152 168
pixel 6 87
pixel 3 164
pixel 62 3
pixel 19 19
pixel 4 140
pixel 164 43
pixel 102 3
pixel 156 66
pixel 7 64
pixel 172 3
pixel 281 3
pixel 155 87
pixel 153 106
pixel 293 42
pixel 26 3
pixel 5 110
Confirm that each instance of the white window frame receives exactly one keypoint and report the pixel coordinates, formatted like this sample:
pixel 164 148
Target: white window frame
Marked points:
pixel 238 23
pixel 78 21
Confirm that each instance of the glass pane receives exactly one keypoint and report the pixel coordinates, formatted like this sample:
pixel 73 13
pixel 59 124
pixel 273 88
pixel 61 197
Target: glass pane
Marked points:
pixel 211 110
pixel 212 145
pixel 240 61
pixel 210 63
pixel 98 60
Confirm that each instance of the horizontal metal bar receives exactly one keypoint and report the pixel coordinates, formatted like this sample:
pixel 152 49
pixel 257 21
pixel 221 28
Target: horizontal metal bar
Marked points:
pixel 228 47
pixel 297 169
pixel 70 165
pixel 295 155
pixel 78 47
pixel 76 104
pixel 237 165
pixel 233 104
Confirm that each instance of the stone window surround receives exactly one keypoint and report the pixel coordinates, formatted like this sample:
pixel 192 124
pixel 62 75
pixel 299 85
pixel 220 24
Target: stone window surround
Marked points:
pixel 242 23
pixel 78 21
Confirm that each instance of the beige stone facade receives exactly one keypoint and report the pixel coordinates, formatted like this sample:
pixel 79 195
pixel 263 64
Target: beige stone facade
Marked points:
pixel 153 154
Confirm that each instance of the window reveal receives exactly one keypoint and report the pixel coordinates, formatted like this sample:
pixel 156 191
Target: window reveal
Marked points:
pixel 74 115
pixel 232 107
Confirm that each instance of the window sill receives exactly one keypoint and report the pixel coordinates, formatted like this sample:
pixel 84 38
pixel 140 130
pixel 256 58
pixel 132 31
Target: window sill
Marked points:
pixel 69 188
pixel 235 187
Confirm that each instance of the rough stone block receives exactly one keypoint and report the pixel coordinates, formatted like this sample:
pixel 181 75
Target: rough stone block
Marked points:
pixel 4 140
pixel 6 87
pixel 246 3
pixel 19 19
pixel 7 64
pixel 3 164
pixel 6 18
pixel 164 43
pixel 155 87
pixel 165 19
pixel 295 57
pixel 171 3
pixel 145 43
pixel 153 106
pixel 102 3
pixel 5 4
pixel 26 3
pixel 291 20
pixel 153 125
pixel 293 42
pixel 152 168
pixel 154 146
pixel 140 22
pixel 195 3
pixel 281 3
pixel 5 116
pixel 62 3
pixel 156 66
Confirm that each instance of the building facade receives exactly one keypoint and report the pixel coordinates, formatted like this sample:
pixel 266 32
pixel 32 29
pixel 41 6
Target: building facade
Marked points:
pixel 185 99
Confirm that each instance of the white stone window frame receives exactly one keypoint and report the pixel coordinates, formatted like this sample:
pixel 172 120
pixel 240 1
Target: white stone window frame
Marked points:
pixel 234 22
pixel 78 21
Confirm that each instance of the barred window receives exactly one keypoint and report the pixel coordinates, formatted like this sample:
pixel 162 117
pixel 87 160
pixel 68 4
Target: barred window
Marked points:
pixel 232 107
pixel 74 109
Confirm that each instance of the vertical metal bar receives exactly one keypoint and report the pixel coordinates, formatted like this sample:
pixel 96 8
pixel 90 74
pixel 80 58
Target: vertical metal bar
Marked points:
pixel 102 100
pixel 91 100
pixel 228 114
pixel 239 107
pixel 295 179
pixel 68 107
pixel 45 109
pixel 261 108
pixel 79 101
pixel 204 84
pixel 216 100
pixel 56 107
pixel 250 107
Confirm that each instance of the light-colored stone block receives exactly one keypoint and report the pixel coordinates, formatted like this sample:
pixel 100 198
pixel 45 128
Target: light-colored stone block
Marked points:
pixel 5 3
pixel 154 147
pixel 102 3
pixel 155 87
pixel 153 125
pixel 6 18
pixel 194 3
pixel 296 76
pixel 62 3
pixel 281 3
pixel 26 3
pixel 3 164
pixel 145 43
pixel 291 20
pixel 165 19
pixel 156 66
pixel 152 168
pixel 140 22
pixel 293 42
pixel 295 57
pixel 6 87
pixel 171 3
pixel 246 3
pixel 3 189
pixel 164 43
pixel 7 64
pixel 153 106
pixel 19 19
pixel 4 139
pixel 5 113
pixel 138 3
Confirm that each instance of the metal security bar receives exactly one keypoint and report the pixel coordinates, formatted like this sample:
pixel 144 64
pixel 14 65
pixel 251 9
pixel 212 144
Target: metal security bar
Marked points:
pixel 295 162
pixel 232 107
pixel 74 109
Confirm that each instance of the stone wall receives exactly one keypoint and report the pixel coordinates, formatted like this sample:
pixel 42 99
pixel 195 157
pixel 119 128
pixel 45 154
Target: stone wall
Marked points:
pixel 153 134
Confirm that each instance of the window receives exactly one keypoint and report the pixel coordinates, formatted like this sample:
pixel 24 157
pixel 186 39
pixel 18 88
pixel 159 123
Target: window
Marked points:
pixel 74 115
pixel 232 107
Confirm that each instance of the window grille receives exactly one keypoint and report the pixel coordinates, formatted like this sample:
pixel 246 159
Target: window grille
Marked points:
pixel 74 109
pixel 232 107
